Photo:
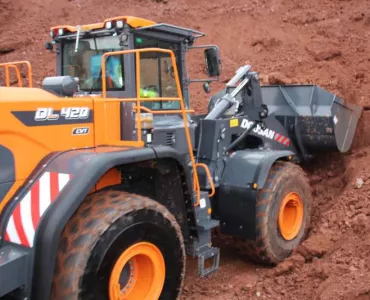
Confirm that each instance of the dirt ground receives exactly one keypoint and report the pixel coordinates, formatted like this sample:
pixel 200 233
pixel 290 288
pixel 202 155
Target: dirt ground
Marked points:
pixel 325 42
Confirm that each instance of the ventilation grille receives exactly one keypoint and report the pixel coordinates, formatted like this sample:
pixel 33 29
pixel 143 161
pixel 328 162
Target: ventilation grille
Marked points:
pixel 170 138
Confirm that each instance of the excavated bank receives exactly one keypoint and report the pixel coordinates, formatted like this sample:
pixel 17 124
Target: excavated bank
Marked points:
pixel 323 42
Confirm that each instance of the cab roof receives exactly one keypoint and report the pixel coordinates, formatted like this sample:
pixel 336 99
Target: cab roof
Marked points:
pixel 133 22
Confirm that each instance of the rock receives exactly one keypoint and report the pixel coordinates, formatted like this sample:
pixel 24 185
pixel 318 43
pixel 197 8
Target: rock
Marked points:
pixel 266 42
pixel 353 269
pixel 359 183
pixel 316 179
pixel 357 17
pixel 330 174
pixel 312 249
pixel 360 75
pixel 284 268
pixel 278 78
pixel 4 49
pixel 327 55
pixel 280 280
pixel 297 259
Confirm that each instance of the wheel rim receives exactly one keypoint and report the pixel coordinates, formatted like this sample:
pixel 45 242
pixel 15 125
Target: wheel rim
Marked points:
pixel 139 273
pixel 291 216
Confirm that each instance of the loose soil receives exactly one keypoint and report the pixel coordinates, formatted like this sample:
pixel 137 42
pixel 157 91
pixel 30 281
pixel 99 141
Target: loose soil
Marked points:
pixel 323 42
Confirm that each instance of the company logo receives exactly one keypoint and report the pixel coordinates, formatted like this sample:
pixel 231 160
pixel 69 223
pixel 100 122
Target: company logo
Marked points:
pixel 267 133
pixel 68 113
pixel 81 131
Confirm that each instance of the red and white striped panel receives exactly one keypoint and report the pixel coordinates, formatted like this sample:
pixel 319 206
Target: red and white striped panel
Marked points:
pixel 23 222
pixel 282 139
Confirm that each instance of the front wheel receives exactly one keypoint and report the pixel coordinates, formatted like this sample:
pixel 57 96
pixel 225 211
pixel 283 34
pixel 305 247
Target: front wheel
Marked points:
pixel 283 214
pixel 120 246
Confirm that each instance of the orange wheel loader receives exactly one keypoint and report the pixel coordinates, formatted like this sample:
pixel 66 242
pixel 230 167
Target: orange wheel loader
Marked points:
pixel 108 180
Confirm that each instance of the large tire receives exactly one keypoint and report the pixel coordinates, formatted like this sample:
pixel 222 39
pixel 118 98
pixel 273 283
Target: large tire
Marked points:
pixel 107 229
pixel 280 226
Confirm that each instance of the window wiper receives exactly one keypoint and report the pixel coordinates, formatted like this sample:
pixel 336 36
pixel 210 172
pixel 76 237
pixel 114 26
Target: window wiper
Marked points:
pixel 77 38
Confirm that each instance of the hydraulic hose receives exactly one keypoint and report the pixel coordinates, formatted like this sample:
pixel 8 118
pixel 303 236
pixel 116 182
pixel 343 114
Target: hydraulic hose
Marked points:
pixel 241 137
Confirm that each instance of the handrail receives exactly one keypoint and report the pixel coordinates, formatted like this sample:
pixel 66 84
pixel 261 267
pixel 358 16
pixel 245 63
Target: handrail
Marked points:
pixel 159 112
pixel 138 106
pixel 14 65
pixel 206 169
pixel 7 77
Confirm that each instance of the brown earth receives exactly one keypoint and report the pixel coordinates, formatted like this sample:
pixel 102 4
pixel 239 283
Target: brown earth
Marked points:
pixel 288 41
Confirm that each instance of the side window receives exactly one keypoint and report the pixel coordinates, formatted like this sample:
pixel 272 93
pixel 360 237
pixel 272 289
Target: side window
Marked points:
pixel 86 64
pixel 150 78
pixel 157 78
pixel 168 82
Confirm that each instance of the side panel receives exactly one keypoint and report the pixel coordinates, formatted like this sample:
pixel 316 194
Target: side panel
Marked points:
pixel 7 172
pixel 236 200
pixel 35 123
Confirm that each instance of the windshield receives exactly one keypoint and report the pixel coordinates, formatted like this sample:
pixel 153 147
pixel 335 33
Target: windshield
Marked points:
pixel 86 63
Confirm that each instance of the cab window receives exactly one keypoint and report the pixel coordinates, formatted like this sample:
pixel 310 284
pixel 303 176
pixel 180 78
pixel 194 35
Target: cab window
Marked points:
pixel 157 78
pixel 86 63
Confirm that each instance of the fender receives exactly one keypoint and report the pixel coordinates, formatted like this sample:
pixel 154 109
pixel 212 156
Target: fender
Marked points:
pixel 238 191
pixel 68 178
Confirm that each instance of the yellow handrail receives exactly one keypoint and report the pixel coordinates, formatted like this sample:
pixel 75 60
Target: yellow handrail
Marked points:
pixel 14 65
pixel 138 107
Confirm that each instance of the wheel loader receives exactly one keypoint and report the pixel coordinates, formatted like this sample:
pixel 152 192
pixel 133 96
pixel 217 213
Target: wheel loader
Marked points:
pixel 109 180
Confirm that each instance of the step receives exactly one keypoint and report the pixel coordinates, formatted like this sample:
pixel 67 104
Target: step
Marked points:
pixel 13 268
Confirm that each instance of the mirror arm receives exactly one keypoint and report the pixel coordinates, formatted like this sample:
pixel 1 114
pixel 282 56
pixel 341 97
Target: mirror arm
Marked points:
pixel 203 80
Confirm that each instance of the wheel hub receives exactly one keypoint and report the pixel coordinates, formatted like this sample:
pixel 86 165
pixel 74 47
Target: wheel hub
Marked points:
pixel 139 273
pixel 291 216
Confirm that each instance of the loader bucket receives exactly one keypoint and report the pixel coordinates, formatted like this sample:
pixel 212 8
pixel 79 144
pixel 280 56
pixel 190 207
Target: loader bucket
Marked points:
pixel 315 119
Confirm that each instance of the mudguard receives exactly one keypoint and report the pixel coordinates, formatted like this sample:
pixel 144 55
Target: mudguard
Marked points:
pixel 248 166
pixel 39 212
pixel 238 191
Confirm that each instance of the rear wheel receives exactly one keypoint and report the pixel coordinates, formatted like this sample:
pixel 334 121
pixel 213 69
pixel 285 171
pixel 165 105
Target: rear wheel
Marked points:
pixel 120 246
pixel 283 215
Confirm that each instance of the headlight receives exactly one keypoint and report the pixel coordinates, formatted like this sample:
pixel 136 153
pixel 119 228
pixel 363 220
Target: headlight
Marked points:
pixel 52 34
pixel 119 24
pixel 60 31
pixel 108 25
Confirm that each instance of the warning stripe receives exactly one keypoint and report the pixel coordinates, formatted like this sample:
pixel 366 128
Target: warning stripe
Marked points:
pixel 281 139
pixel 27 214
pixel 19 226
pixel 35 210
pixel 277 136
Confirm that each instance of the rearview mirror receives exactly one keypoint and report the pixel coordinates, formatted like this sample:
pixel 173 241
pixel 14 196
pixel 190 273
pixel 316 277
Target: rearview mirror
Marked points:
pixel 48 46
pixel 206 87
pixel 212 61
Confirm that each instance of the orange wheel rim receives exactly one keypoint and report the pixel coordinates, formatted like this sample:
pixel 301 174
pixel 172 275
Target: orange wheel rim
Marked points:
pixel 139 273
pixel 290 216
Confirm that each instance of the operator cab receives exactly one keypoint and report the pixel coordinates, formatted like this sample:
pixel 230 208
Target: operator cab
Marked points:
pixel 80 53
pixel 80 49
